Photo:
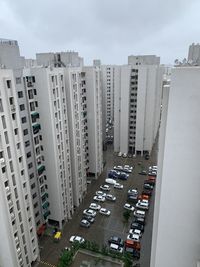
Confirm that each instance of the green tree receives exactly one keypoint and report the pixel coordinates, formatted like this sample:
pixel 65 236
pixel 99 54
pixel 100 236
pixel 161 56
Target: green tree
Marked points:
pixel 126 215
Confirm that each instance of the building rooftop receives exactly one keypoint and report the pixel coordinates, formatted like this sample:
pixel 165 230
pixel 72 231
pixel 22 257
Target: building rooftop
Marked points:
pixel 7 41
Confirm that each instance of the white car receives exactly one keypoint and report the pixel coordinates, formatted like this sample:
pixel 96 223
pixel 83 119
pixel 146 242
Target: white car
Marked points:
pixel 110 197
pixel 134 237
pixel 100 193
pixel 135 231
pixel 141 204
pixel 139 213
pixel 133 191
pixel 104 211
pixel 118 168
pixel 118 186
pixel 127 206
pixel 105 187
pixel 110 181
pixel 124 155
pixel 116 248
pixel 76 238
pixel 89 212
pixel 99 198
pixel 119 154
pixel 94 206
pixel 128 167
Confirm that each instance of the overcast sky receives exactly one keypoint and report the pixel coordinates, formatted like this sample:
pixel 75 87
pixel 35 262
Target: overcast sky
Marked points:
pixel 109 30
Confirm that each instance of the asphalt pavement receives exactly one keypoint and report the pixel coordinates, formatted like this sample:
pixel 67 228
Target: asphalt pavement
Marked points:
pixel 105 226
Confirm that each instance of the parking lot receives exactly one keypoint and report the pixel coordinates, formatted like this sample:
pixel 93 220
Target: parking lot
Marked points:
pixel 106 226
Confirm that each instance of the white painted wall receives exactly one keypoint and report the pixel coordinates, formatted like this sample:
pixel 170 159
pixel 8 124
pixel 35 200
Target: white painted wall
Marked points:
pixel 124 108
pixel 177 219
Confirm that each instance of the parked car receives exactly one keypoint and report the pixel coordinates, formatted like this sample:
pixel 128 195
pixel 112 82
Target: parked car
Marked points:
pixel 116 240
pixel 123 176
pixel 134 237
pixel 139 220
pixel 88 218
pixel 139 213
pixel 128 167
pixel 118 186
pixel 110 181
pixel 119 154
pixel 100 193
pixel 124 155
pixel 127 206
pixel 143 172
pixel 89 212
pixel 132 191
pixel 104 211
pixel 148 186
pixel 147 156
pixel 110 197
pixel 147 192
pixel 143 197
pixel 76 238
pixel 133 252
pixel 113 174
pixel 94 206
pixel 118 168
pixel 136 231
pixel 99 198
pixel 115 248
pixel 129 243
pixel 150 182
pixel 136 225
pixel 85 223
pixel 105 187
pixel 142 205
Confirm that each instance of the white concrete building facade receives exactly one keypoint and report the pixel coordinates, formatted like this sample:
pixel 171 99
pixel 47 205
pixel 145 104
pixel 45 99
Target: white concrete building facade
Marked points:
pixel 59 59
pixel 143 60
pixel 19 245
pixel 94 119
pixel 137 108
pixel 75 105
pixel 52 107
pixel 176 240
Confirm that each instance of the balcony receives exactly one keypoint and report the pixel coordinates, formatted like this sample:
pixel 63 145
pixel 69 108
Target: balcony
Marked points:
pixel 36 128
pixel 45 205
pixel 44 196
pixel 41 169
pixel 35 115
pixel 46 214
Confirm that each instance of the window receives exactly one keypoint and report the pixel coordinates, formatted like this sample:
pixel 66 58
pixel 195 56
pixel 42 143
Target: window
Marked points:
pixel 28 154
pixel 22 107
pixel 20 94
pixel 34 196
pixel 31 175
pixel 27 143
pixel 30 165
pixel 33 186
pixel 35 91
pixel 32 106
pixel 25 131
pixel 8 83
pixel 1 106
pixel 30 94
pixel 23 119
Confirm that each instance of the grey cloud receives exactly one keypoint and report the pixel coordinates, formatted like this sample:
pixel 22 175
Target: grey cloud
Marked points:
pixel 97 28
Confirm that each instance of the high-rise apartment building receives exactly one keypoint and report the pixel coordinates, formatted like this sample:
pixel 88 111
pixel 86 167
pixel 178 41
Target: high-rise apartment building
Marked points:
pixel 176 214
pixel 59 59
pixel 137 104
pixel 194 54
pixel 143 60
pixel 94 119
pixel 19 246
pixel 9 55
pixel 77 132
pixel 52 107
